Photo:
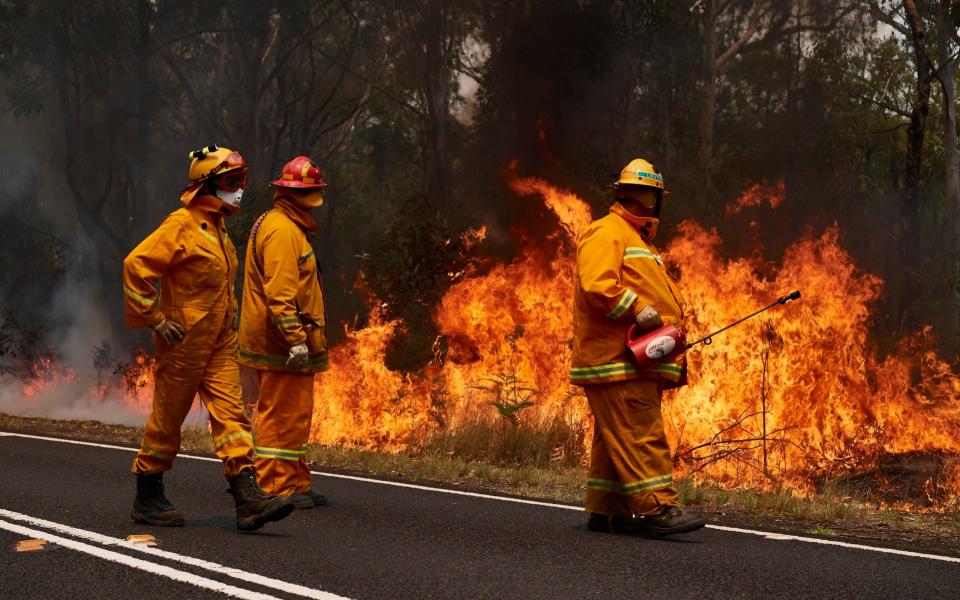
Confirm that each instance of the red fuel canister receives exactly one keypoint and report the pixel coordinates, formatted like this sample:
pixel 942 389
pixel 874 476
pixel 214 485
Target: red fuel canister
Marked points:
pixel 649 349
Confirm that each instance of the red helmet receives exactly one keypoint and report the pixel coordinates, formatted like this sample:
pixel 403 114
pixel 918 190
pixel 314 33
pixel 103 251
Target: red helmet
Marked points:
pixel 300 173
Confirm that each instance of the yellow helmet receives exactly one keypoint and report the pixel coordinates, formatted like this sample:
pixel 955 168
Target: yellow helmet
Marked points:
pixel 642 173
pixel 207 163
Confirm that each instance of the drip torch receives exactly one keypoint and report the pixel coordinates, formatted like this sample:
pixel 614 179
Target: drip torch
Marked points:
pixel 659 345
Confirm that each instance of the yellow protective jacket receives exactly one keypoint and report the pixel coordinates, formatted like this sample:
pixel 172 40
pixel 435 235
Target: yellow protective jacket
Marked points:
pixel 282 295
pixel 196 261
pixel 618 273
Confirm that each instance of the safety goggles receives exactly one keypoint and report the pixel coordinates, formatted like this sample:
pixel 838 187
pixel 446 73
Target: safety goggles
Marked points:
pixel 232 181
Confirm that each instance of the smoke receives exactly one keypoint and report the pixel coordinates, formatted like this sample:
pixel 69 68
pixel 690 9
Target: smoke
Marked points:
pixel 55 358
pixel 69 400
pixel 77 375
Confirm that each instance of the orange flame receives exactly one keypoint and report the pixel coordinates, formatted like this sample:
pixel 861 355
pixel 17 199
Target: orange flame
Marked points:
pixel 504 339
pixel 800 392
pixel 793 396
pixel 756 195
pixel 574 213
pixel 50 386
pixel 45 374
pixel 138 381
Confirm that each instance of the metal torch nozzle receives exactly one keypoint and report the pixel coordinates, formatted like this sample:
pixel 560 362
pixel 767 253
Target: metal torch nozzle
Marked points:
pixel 795 295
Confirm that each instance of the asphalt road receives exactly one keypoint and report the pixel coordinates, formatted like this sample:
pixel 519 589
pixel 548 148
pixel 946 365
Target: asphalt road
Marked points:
pixel 377 540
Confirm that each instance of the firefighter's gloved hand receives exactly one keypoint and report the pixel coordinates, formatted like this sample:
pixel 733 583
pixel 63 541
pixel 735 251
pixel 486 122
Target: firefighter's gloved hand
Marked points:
pixel 648 318
pixel 169 331
pixel 298 357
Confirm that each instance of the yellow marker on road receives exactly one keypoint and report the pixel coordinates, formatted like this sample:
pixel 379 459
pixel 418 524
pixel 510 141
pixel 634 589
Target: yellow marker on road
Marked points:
pixel 30 545
pixel 144 539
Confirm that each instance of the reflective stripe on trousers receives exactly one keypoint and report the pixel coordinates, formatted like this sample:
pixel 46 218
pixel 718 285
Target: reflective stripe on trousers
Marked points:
pixel 631 472
pixel 284 410
pixel 203 364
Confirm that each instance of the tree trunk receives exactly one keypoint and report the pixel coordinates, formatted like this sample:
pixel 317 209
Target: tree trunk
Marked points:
pixel 948 82
pixel 243 130
pixel 140 170
pixel 666 104
pixel 109 245
pixel 708 109
pixel 918 112
pixel 910 282
pixel 437 95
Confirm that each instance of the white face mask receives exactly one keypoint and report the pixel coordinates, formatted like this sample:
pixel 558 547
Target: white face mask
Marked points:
pixel 231 198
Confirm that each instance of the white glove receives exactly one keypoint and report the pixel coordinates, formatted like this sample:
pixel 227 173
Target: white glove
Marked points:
pixel 648 318
pixel 169 331
pixel 299 355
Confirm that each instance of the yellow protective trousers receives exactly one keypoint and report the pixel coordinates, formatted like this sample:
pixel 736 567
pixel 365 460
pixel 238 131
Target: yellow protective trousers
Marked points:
pixel 284 410
pixel 631 472
pixel 204 362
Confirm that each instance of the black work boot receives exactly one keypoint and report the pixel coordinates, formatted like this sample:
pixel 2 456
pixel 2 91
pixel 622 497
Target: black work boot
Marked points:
pixel 254 506
pixel 669 522
pixel 308 500
pixel 599 523
pixel 151 506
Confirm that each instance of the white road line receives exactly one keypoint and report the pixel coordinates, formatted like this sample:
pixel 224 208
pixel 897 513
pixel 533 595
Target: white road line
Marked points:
pixel 136 563
pixel 764 534
pixel 92 536
pixel 796 538
pixel 412 486
pixel 95 445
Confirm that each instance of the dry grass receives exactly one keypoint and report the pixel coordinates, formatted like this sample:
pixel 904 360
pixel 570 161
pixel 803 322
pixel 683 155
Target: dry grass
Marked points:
pixel 505 443
pixel 557 483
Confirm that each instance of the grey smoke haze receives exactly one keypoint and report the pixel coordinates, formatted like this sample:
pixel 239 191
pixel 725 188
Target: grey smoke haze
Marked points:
pixel 32 179
pixel 76 340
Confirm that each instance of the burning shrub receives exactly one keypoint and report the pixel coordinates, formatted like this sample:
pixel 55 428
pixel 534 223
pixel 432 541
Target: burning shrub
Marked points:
pixel 20 346
pixel 413 264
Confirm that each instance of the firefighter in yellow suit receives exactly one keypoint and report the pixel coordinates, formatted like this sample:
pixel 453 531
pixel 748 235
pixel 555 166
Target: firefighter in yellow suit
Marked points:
pixel 283 330
pixel 621 279
pixel 192 257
